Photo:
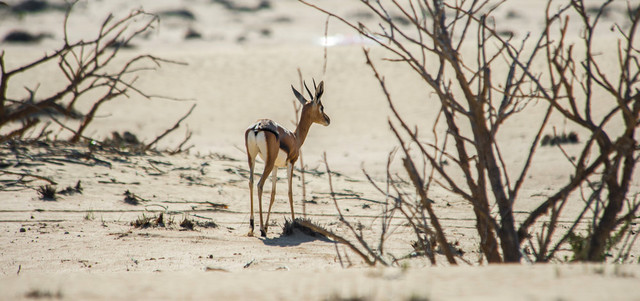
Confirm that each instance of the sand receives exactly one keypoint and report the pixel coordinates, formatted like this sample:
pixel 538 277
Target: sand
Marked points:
pixel 83 246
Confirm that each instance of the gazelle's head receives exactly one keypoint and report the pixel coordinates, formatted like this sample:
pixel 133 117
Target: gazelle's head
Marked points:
pixel 313 108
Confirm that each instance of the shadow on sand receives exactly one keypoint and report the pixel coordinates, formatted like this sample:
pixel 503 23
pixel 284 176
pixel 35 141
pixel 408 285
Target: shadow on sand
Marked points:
pixel 295 239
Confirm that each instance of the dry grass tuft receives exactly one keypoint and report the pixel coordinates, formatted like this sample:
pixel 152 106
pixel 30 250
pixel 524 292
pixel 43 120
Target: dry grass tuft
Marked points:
pixel 43 294
pixel 132 199
pixel 187 224
pixel 154 221
pixel 304 225
pixel 72 190
pixel 207 224
pixel 337 297
pixel 47 192
pixel 144 221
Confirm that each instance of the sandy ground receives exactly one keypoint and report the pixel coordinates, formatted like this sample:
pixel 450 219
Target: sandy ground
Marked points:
pixel 83 246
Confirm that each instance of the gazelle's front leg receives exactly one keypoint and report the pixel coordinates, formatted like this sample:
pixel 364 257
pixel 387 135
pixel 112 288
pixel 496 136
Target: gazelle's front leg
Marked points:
pixel 290 180
pixel 274 180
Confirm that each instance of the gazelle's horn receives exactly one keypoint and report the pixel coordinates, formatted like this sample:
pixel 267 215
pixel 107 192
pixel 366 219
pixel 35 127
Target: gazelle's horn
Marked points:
pixel 305 86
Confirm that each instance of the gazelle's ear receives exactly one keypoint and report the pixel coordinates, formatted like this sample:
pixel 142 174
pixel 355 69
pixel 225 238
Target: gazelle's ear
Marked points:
pixel 298 96
pixel 319 91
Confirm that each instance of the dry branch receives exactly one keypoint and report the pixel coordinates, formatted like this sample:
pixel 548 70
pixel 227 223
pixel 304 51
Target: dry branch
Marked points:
pixel 376 257
pixel 418 183
pixel 175 126
pixel 473 95
pixel 88 68
pixel 24 174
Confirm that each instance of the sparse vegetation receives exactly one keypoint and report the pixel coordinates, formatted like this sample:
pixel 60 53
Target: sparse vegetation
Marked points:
pixel 131 198
pixel 207 224
pixel 146 215
pixel 77 189
pixel 239 8
pixel 43 294
pixel 91 77
pixel 144 221
pixel 552 140
pixel 338 297
pixel 161 221
pixel 479 92
pixel 304 225
pixel 187 223
pixel 47 192
pixel 89 216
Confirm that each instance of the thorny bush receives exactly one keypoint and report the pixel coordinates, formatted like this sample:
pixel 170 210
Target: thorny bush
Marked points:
pixel 479 90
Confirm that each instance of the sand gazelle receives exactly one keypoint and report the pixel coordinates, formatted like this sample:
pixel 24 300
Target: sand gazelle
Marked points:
pixel 279 147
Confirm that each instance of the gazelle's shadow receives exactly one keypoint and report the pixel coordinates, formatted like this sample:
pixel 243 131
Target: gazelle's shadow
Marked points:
pixel 295 239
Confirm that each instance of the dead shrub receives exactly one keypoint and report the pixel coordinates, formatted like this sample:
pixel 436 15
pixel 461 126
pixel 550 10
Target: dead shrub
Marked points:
pixel 477 92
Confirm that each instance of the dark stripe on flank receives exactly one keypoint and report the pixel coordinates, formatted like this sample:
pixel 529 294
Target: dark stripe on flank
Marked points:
pixel 284 147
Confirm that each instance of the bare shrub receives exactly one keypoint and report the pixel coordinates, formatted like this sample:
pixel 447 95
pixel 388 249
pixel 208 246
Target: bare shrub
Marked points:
pixel 90 74
pixel 478 91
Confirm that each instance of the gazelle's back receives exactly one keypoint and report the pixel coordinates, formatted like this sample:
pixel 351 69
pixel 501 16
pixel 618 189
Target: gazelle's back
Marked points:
pixel 256 137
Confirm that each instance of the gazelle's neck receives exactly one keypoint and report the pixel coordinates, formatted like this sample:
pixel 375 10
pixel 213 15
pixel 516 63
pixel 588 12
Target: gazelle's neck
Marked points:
pixel 303 127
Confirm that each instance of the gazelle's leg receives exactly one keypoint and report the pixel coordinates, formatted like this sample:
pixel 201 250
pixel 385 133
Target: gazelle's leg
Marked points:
pixel 252 164
pixel 265 174
pixel 252 151
pixel 274 179
pixel 290 180
pixel 272 152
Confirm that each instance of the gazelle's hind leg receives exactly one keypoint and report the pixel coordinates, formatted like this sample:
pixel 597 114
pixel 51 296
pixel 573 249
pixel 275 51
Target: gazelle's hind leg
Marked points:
pixel 274 180
pixel 252 151
pixel 252 164
pixel 272 152
pixel 290 180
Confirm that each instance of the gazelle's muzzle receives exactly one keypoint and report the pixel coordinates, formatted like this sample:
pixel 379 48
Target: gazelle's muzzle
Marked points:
pixel 327 120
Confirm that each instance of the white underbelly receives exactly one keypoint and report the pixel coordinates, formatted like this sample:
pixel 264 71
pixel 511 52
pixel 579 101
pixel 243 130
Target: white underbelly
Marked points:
pixel 261 144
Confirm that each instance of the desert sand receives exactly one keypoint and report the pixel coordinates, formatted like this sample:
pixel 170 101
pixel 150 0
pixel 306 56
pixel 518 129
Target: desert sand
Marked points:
pixel 83 246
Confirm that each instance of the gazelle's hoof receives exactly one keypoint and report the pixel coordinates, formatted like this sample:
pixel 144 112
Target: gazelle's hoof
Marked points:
pixel 250 234
pixel 263 234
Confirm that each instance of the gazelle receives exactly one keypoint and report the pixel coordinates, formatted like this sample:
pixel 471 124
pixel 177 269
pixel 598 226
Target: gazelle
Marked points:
pixel 279 147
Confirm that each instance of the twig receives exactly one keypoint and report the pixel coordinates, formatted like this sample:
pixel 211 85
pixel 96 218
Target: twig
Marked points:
pixel 248 264
pixel 419 185
pixel 363 243
pixel 326 33
pixel 339 239
pixel 19 132
pixel 175 126
pixel 184 141
pixel 29 175
pixel 297 107
pixel 338 253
